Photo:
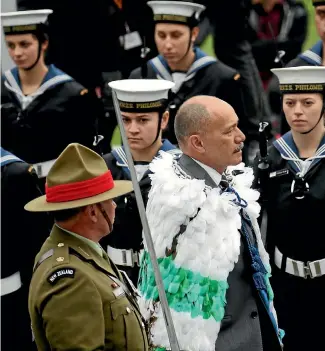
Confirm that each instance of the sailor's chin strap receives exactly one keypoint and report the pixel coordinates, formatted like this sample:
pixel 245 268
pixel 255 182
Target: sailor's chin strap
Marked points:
pixel 192 23
pixel 320 117
pixel 161 112
pixel 38 56
pixel 41 36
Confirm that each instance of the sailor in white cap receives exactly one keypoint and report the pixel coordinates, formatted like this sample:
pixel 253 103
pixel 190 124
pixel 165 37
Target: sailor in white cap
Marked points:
pixel 43 109
pixel 295 200
pixel 192 71
pixel 143 107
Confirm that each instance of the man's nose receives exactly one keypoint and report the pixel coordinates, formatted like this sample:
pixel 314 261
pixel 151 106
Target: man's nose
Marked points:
pixel 240 137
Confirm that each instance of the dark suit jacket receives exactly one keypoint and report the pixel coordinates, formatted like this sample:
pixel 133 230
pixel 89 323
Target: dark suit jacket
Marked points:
pixel 246 325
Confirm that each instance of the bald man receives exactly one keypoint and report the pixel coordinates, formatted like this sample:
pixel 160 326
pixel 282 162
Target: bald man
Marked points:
pixel 207 240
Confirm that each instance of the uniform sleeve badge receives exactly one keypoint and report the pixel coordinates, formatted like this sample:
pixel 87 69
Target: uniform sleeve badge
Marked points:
pixel 61 273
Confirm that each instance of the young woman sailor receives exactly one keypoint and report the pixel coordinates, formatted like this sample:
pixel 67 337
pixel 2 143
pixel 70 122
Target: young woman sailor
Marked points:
pixel 143 105
pixel 191 69
pixel 294 193
pixel 43 109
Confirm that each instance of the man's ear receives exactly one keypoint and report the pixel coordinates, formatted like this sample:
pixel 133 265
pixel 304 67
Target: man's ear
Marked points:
pixel 196 143
pixel 164 120
pixel 91 212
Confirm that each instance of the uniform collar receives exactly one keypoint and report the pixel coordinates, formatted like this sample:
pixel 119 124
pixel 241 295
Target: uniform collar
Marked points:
pixel 121 160
pixel 53 77
pixel 314 55
pixel 92 244
pixel 81 247
pixel 161 68
pixel 289 151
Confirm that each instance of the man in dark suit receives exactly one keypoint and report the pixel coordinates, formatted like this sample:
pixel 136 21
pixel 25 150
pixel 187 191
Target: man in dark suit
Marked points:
pixel 214 266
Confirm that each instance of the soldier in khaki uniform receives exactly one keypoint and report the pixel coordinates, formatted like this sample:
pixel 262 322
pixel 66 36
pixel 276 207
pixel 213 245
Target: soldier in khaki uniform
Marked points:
pixel 78 300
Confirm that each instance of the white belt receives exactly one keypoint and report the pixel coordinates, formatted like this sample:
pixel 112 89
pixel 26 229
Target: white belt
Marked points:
pixel 300 269
pixel 10 284
pixel 42 169
pixel 123 257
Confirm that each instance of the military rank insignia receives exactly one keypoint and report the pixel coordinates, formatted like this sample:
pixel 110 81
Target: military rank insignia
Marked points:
pixel 61 273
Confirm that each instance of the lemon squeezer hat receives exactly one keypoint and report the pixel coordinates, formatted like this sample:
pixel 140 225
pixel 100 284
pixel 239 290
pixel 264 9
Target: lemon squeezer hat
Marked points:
pixel 79 177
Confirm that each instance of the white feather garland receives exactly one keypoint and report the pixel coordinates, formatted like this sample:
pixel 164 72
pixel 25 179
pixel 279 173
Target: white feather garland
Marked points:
pixel 173 201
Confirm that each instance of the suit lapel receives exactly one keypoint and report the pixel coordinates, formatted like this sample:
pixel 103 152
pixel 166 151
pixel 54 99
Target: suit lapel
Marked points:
pixel 194 170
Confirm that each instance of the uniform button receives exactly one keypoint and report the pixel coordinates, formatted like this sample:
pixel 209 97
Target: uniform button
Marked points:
pixel 128 310
pixel 254 314
pixel 142 324
pixel 60 244
pixel 60 259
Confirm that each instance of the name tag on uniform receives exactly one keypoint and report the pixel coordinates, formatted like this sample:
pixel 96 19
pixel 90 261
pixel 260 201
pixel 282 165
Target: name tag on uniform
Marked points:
pixel 279 173
pixel 131 40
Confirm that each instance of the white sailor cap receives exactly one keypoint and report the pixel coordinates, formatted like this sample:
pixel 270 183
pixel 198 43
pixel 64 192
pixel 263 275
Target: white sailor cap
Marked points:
pixel 137 95
pixel 176 12
pixel 22 22
pixel 300 80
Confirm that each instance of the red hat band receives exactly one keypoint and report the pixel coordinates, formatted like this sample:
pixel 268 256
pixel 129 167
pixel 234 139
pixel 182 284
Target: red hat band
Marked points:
pixel 80 190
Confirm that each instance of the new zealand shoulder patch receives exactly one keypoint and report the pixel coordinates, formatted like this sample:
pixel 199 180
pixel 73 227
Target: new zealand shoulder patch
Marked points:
pixel 61 273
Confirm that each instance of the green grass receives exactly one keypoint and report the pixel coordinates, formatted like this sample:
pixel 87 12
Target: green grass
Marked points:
pixel 207 46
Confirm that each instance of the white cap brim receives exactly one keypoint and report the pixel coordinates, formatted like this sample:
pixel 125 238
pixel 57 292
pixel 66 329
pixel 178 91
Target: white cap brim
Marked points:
pixel 141 90
pixel 22 18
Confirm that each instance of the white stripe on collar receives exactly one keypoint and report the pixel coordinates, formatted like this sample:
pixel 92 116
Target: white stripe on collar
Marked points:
pixel 25 100
pixel 302 165
pixel 163 72
pixel 313 56
pixel 200 62
pixel 289 151
pixel 12 81
pixel 120 152
pixel 8 158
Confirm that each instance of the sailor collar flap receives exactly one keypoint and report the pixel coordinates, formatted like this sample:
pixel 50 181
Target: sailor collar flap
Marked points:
pixel 313 56
pixel 289 152
pixel 53 78
pixel 121 160
pixel 160 66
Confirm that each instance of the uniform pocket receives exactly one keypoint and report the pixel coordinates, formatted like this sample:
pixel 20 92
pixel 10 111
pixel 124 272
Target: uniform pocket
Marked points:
pixel 127 326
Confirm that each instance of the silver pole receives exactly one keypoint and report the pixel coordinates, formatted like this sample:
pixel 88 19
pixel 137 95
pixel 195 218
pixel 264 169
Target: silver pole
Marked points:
pixel 146 231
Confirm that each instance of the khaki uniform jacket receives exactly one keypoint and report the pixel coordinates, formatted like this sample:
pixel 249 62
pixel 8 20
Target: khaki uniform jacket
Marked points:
pixel 74 304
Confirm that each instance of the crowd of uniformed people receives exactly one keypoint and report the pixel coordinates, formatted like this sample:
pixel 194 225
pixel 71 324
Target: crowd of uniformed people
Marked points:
pixel 75 273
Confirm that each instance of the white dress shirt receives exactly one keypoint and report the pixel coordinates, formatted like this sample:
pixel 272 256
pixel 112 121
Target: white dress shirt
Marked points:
pixel 216 177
